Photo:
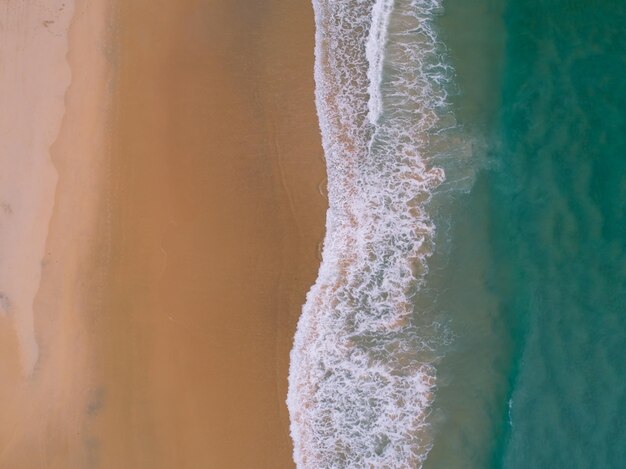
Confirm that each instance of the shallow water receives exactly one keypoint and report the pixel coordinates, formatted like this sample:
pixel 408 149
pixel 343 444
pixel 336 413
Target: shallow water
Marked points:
pixel 562 216
pixel 535 280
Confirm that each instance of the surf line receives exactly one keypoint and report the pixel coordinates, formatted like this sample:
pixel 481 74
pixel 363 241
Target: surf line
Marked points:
pixel 360 385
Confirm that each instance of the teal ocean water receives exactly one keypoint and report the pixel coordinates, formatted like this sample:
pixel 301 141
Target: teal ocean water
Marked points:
pixel 470 306
pixel 535 277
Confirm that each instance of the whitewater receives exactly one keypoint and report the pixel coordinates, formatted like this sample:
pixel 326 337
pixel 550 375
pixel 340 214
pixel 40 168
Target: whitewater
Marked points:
pixel 362 375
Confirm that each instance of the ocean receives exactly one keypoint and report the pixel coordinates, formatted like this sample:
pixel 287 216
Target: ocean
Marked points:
pixel 469 309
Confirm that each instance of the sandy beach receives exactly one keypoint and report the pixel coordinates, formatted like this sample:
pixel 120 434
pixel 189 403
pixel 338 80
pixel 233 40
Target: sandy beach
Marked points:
pixel 175 239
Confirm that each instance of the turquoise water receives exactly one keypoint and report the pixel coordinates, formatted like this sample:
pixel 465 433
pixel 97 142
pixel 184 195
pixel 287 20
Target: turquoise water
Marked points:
pixel 534 273
pixel 468 311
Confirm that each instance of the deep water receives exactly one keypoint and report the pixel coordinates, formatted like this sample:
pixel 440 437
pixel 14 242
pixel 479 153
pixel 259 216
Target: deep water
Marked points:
pixel 532 269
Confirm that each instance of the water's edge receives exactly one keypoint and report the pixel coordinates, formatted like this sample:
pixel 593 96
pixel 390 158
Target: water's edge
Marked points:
pixel 362 375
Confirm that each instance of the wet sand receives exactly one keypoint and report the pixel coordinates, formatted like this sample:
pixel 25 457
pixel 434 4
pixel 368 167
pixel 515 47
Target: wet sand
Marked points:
pixel 217 216
pixel 185 233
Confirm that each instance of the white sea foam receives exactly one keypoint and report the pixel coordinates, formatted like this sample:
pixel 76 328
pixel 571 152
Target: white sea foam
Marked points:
pixel 375 52
pixel 361 378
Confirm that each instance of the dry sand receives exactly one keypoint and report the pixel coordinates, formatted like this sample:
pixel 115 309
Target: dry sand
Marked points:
pixel 52 153
pixel 34 77
pixel 187 219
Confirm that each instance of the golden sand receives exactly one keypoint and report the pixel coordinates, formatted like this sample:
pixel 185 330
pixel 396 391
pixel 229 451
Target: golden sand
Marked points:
pixel 185 232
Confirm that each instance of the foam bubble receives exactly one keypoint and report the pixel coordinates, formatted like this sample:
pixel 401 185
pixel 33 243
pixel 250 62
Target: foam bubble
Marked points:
pixel 361 378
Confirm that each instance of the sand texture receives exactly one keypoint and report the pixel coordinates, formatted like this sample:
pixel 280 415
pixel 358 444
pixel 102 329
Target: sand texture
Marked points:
pixel 161 219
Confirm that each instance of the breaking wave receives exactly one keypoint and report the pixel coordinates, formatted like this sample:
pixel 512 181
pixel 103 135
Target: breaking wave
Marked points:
pixel 362 379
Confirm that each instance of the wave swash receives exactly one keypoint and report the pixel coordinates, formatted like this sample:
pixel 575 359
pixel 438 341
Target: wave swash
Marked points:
pixel 361 383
